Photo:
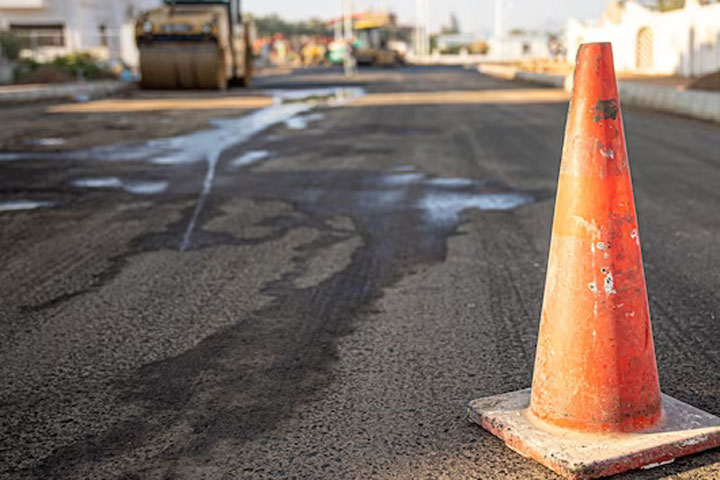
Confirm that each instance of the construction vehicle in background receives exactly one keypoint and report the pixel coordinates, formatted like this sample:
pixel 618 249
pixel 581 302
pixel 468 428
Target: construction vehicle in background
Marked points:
pixel 376 43
pixel 194 44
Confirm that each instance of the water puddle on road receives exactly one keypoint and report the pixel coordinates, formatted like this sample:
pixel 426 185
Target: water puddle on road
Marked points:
pixel 404 214
pixel 442 200
pixel 207 144
pixel 17 205
pixel 99 182
pixel 452 182
pixel 44 142
pixel 204 145
pixel 301 122
pixel 139 187
pixel 332 96
pixel 445 207
pixel 403 168
pixel 249 157
pixel 145 187
pixel 402 178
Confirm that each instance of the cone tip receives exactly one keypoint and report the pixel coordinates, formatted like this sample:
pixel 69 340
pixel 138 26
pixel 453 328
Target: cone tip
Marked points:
pixel 593 59
pixel 594 47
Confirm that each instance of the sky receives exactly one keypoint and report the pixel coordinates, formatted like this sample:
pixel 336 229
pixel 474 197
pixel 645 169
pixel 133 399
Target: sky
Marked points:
pixel 474 15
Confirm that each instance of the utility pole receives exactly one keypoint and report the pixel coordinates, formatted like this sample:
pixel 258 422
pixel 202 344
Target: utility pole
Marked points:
pixel 416 36
pixel 347 18
pixel 499 34
pixel 349 61
pixel 338 24
pixel 426 21
pixel 421 44
pixel 499 19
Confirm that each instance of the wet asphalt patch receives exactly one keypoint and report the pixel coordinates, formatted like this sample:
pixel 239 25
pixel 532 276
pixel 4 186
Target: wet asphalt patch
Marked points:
pixel 404 221
pixel 403 218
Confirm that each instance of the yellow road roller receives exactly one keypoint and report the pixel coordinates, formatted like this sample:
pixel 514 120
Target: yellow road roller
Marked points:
pixel 375 31
pixel 194 44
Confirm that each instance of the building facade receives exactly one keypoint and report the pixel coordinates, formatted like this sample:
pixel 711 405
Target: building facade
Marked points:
pixel 682 42
pixel 521 46
pixel 57 27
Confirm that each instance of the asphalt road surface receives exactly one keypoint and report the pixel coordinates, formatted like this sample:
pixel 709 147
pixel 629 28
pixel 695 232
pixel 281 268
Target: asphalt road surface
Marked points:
pixel 318 289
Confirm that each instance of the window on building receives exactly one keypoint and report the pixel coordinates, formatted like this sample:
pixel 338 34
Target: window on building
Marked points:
pixel 102 32
pixel 34 36
pixel 526 48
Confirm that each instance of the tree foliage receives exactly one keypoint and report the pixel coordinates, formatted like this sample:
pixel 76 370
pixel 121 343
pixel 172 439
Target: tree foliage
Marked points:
pixel 271 24
pixel 10 46
pixel 453 27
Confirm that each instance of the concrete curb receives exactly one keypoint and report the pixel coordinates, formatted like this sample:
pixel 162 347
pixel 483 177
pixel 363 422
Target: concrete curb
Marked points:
pixel 558 81
pixel 500 71
pixel 690 103
pixel 32 93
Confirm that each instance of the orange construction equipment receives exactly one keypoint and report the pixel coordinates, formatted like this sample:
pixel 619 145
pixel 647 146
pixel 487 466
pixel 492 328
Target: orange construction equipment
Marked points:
pixel 595 406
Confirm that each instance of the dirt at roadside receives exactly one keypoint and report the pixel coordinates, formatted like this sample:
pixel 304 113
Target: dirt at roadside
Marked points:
pixel 710 82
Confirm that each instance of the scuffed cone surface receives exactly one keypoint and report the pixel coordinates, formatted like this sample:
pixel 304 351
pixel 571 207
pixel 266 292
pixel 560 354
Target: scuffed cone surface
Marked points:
pixel 595 364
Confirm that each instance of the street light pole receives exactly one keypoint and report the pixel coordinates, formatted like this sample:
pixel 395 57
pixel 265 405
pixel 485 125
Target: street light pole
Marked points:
pixel 498 18
pixel 337 26
pixel 347 17
pixel 499 33
pixel 421 43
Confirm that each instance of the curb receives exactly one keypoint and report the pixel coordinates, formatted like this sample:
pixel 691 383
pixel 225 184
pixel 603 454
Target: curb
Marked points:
pixel 691 103
pixel 32 93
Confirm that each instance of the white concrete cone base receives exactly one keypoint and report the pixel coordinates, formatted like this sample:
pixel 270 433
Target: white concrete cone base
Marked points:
pixel 576 455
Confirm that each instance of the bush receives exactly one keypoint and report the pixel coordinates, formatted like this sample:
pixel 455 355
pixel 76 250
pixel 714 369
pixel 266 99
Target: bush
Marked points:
pixel 80 64
pixel 67 68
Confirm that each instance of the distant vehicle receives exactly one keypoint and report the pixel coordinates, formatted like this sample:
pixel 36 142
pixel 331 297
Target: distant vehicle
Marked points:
pixel 194 44
pixel 336 52
pixel 374 41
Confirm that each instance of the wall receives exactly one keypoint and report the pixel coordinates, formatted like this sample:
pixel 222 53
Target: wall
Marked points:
pixel 518 47
pixel 675 49
pixel 82 20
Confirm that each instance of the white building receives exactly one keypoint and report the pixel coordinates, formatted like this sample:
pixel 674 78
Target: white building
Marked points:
pixel 58 27
pixel 683 42
pixel 520 46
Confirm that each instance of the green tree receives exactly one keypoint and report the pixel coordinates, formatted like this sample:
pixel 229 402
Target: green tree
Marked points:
pixel 10 45
pixel 453 27
pixel 271 24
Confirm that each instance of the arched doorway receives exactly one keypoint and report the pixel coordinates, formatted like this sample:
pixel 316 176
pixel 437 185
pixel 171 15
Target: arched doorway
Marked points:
pixel 644 49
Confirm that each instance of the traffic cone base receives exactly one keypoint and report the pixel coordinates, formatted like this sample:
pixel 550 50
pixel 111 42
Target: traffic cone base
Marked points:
pixel 577 455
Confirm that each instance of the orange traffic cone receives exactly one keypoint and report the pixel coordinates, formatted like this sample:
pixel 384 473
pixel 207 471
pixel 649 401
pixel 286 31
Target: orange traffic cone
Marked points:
pixel 595 407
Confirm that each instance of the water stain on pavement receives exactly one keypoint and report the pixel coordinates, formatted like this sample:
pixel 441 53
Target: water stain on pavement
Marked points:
pixel 138 187
pixel 145 187
pixel 403 221
pixel 249 157
pixel 17 205
pixel 301 122
pixel 44 142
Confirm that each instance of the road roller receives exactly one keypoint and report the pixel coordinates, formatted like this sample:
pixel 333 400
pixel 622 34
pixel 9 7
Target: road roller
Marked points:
pixel 194 44
pixel 376 32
